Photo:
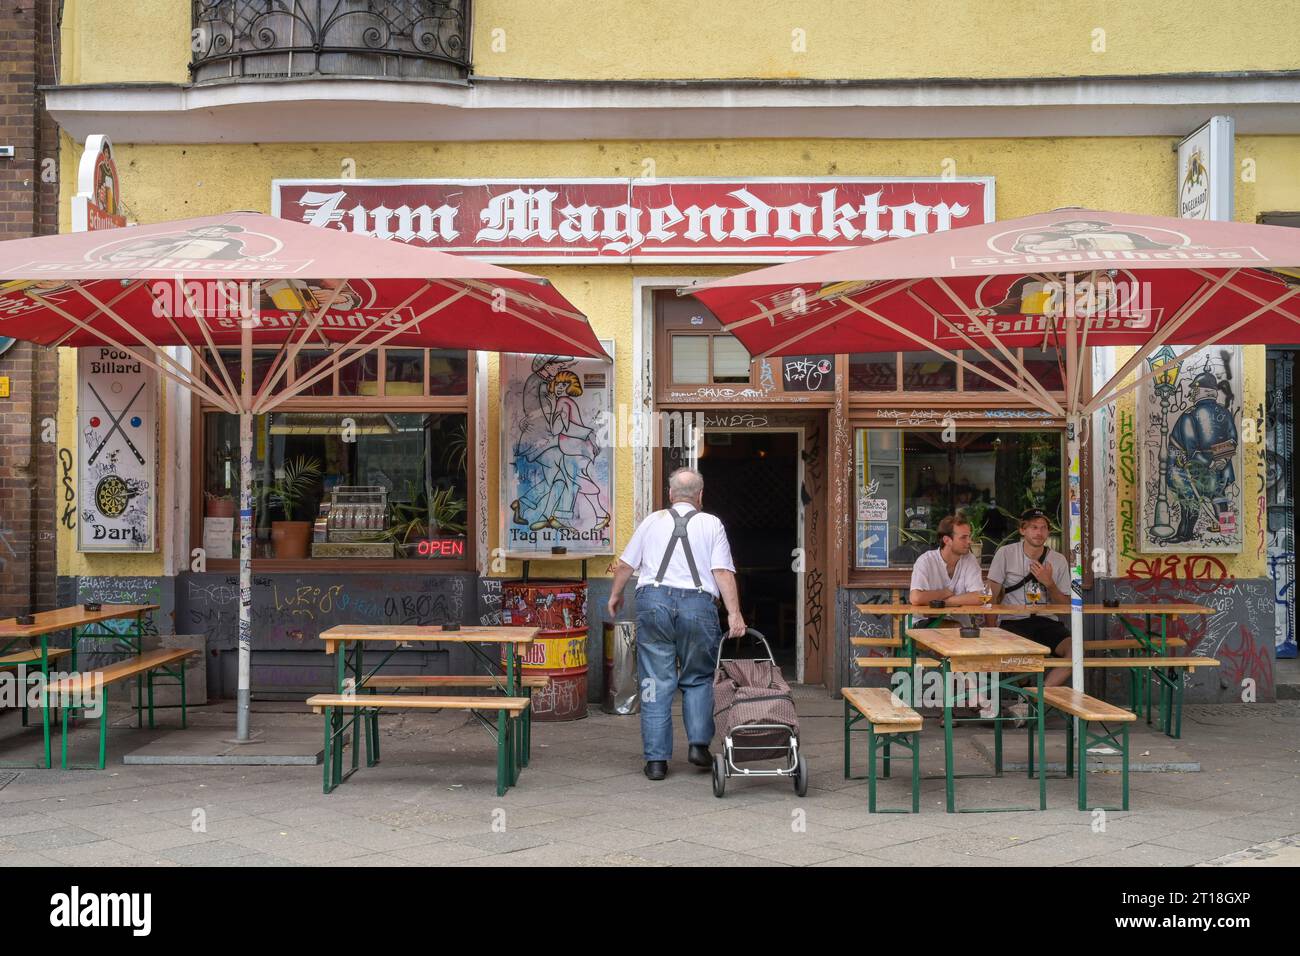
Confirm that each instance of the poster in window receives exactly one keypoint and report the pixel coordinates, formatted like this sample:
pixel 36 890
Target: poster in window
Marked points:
pixel 557 459
pixel 117 451
pixel 1188 440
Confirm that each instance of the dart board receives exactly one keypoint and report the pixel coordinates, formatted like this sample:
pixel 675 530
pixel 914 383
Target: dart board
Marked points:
pixel 111 496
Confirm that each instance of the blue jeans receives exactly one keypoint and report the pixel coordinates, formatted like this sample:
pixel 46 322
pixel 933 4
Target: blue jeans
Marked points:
pixel 675 626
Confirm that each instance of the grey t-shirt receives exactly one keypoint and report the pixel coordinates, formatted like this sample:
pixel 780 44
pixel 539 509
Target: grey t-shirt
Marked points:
pixel 1010 564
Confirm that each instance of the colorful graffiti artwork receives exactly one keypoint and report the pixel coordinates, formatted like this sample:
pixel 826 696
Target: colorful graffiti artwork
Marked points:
pixel 1190 470
pixel 1278 494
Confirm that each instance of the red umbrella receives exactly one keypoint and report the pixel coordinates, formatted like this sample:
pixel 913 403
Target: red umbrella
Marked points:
pixel 246 279
pixel 1065 279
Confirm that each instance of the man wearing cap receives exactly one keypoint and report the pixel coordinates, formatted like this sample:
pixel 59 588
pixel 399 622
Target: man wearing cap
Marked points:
pixel 683 564
pixel 1028 572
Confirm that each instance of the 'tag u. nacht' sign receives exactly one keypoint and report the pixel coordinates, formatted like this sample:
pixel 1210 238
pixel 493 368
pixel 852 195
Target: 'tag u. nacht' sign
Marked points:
pixel 623 220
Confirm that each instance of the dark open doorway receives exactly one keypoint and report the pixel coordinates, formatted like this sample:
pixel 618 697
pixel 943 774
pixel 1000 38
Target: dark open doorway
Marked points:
pixel 751 482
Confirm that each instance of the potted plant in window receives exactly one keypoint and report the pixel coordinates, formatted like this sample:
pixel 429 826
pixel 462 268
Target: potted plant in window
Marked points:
pixel 218 505
pixel 423 515
pixel 291 537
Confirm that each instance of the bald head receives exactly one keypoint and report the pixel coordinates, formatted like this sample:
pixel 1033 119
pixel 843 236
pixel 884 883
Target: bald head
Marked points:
pixel 685 484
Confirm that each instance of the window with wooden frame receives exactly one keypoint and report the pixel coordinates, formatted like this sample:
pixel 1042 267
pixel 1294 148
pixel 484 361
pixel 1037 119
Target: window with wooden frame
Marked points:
pixel 693 347
pixel 375 458
pixel 903 373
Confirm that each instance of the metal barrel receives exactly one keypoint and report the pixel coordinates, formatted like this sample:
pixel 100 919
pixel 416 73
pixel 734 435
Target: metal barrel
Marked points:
pixel 559 651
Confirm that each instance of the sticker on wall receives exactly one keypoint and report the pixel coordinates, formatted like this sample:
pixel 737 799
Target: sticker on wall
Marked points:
pixel 117 451
pixel 808 373
pixel 557 461
pixel 1190 460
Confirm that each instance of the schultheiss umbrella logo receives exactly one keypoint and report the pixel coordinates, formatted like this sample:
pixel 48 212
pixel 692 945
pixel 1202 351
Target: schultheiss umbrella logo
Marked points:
pixel 217 242
pixel 1086 235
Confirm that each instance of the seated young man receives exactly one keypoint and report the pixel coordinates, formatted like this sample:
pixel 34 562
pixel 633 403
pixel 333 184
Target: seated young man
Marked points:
pixel 949 573
pixel 1025 573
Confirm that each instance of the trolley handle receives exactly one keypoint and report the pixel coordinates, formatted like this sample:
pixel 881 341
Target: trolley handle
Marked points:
pixel 748 632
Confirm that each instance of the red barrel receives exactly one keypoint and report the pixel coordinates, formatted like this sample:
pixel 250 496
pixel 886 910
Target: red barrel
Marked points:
pixel 559 651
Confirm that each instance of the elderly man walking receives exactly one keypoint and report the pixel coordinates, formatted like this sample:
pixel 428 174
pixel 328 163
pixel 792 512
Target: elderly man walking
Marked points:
pixel 683 564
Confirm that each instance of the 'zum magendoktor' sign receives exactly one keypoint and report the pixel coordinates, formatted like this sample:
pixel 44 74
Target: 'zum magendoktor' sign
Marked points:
pixel 117 451
pixel 637 220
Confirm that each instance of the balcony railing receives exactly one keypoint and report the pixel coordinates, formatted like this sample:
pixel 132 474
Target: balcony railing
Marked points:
pixel 405 39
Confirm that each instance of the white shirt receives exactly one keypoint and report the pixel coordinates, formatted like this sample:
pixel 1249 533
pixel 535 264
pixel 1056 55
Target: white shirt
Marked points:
pixel 1011 564
pixel 930 573
pixel 709 547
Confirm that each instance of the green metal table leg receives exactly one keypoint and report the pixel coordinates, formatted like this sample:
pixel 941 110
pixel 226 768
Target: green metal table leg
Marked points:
pixel 1029 737
pixel 997 728
pixel 45 711
pixel 63 737
pixel 149 680
pixel 947 737
pixel 888 738
pixel 184 711
pixel 1040 706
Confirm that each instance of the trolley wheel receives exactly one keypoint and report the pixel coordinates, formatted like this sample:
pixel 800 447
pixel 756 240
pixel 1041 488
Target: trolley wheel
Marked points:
pixel 801 777
pixel 719 775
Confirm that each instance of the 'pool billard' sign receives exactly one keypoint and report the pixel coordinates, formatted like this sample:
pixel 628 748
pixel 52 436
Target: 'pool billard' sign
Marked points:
pixel 117 451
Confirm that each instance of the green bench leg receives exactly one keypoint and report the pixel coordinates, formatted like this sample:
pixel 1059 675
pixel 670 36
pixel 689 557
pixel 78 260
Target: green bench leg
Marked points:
pixel 848 749
pixel 103 734
pixel 329 748
pixel 1082 767
pixel 63 737
pixel 184 711
pixel 45 726
pixel 149 680
pixel 871 768
pixel 1124 759
pixel 139 699
pixel 916 771
pixel 888 738
pixel 1069 745
pixel 503 757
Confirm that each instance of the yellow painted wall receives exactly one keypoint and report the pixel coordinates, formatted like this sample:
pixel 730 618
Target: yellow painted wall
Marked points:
pixel 166 182
pixel 132 40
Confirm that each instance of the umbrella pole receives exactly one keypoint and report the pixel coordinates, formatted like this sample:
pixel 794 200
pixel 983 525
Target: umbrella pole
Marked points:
pixel 1075 538
pixel 242 695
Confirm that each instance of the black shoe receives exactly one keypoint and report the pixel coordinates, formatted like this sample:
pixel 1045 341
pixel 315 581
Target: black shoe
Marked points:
pixel 656 769
pixel 699 756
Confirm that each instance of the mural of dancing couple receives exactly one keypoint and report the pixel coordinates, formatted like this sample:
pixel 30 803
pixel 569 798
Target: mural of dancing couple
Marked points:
pixel 556 464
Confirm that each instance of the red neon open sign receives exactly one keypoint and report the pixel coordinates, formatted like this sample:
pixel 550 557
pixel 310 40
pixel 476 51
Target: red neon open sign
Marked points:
pixel 441 548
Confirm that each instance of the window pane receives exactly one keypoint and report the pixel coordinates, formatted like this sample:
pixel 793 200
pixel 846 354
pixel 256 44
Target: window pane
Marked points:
pixel 974 382
pixel 928 372
pixel 1043 366
pixel 306 362
pixel 403 371
pixel 730 360
pixel 360 377
pixel 262 360
pixel 690 359
pixel 873 372
pixel 417 464
pixel 910 480
pixel 448 372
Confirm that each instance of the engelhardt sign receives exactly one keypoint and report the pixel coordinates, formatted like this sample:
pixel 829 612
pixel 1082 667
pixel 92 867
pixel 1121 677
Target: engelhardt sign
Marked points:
pixel 629 220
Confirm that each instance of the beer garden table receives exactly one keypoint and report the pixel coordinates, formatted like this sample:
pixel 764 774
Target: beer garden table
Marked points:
pixel 1152 638
pixel 337 640
pixel 994 652
pixel 82 624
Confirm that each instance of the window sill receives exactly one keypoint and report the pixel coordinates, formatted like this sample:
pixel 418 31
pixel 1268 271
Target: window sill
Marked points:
pixel 334 565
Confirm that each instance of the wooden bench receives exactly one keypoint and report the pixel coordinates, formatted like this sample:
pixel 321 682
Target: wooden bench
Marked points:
pixel 894 663
pixel 508 709
pixel 1171 712
pixel 886 717
pixel 1087 710
pixel 72 692
pixel 398 681
pixel 1128 644
pixel 23 658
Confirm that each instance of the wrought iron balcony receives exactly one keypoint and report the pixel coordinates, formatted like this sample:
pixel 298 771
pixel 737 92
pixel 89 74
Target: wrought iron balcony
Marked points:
pixel 406 39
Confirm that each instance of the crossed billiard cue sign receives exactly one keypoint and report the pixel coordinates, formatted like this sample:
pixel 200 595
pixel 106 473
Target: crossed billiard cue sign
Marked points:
pixel 117 424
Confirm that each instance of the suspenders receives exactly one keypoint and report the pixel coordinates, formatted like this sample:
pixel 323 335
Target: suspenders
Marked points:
pixel 680 521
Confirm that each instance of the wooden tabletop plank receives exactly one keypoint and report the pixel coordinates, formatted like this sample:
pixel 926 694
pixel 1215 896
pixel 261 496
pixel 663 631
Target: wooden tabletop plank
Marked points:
pixel 512 704
pixel 992 642
pixel 922 610
pixel 468 634
pixel 64 618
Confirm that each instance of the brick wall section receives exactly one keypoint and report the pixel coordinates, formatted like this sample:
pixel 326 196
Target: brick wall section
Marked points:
pixel 29 191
